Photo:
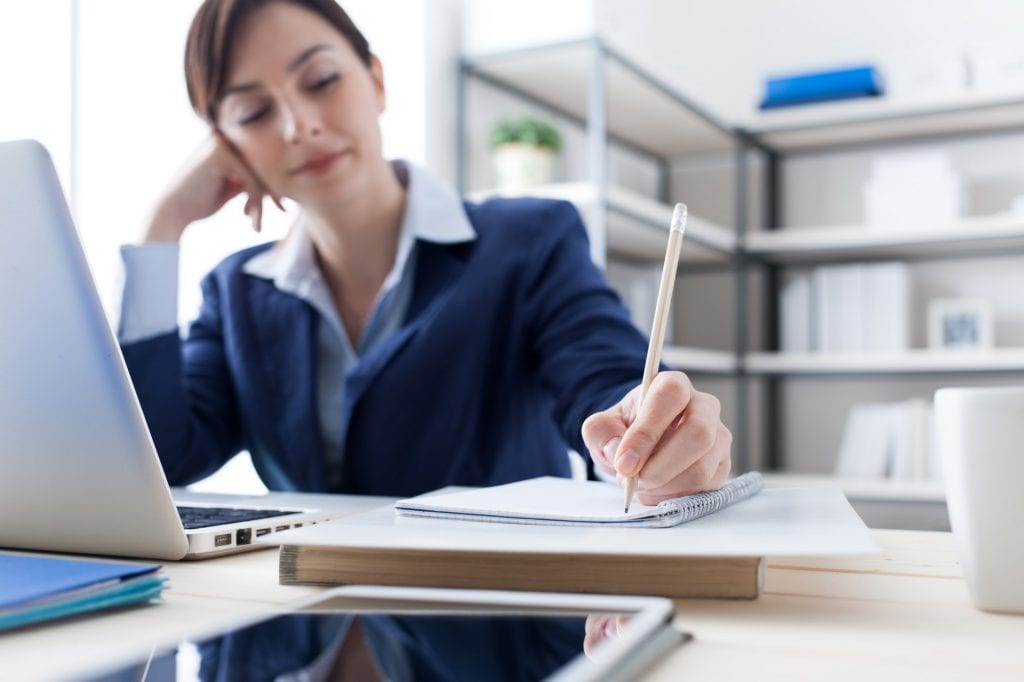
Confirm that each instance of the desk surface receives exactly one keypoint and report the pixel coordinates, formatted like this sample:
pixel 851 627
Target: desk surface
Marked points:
pixel 902 615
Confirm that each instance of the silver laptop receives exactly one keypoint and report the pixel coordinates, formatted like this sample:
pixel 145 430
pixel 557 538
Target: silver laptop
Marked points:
pixel 78 469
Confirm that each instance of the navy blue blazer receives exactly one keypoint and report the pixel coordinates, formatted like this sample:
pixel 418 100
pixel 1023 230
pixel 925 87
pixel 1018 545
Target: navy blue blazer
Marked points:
pixel 509 343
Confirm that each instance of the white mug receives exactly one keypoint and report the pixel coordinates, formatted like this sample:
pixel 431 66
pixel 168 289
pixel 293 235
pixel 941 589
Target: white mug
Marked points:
pixel 980 433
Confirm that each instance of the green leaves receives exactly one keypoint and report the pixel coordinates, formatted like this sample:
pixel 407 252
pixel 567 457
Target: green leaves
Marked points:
pixel 526 130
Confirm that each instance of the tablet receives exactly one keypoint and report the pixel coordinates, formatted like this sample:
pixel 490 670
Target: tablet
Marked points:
pixel 393 633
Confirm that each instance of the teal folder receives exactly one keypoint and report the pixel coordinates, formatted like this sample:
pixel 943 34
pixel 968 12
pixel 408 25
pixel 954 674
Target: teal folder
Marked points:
pixel 34 589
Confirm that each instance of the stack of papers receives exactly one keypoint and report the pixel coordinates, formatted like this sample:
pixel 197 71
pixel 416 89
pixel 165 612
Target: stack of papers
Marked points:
pixel 35 588
pixel 551 501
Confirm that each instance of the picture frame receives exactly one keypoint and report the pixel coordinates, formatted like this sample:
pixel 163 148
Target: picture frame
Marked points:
pixel 960 324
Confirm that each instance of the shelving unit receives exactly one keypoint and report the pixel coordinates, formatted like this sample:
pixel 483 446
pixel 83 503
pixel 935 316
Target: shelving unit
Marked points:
pixel 912 362
pixel 637 226
pixel 969 237
pixel 592 84
pixel 872 121
pixel 873 124
pixel 595 85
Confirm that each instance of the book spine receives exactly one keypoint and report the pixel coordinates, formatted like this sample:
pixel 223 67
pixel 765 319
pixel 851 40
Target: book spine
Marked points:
pixel 675 577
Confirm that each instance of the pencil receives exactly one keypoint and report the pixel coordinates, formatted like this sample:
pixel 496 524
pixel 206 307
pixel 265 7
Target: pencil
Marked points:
pixel 668 280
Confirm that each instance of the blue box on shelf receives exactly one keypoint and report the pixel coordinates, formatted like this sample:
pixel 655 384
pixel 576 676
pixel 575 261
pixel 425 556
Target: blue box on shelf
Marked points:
pixel 822 86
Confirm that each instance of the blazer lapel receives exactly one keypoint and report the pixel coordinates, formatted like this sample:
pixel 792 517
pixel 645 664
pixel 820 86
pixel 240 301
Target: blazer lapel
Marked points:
pixel 285 342
pixel 438 268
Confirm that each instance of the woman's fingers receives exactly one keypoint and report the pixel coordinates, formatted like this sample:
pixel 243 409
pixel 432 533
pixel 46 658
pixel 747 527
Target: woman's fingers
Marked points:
pixel 709 472
pixel 668 397
pixel 693 436
pixel 254 209
pixel 602 432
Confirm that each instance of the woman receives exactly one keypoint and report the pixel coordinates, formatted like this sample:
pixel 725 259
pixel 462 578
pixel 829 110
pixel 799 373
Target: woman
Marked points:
pixel 397 340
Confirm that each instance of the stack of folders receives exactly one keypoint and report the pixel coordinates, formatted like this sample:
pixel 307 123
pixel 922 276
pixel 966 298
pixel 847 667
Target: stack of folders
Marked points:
pixel 36 588
pixel 821 86
pixel 558 535
pixel 854 308
pixel 890 440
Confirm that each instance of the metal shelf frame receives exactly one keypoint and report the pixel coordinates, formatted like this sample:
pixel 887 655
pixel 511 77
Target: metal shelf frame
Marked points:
pixel 747 141
pixel 599 137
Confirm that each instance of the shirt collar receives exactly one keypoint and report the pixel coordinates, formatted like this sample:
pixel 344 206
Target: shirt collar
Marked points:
pixel 433 213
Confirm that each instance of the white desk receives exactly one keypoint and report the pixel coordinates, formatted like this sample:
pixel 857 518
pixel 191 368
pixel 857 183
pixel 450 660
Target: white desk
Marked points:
pixel 903 615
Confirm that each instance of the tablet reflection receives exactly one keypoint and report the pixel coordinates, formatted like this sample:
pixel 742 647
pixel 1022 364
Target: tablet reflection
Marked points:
pixel 383 647
pixel 602 628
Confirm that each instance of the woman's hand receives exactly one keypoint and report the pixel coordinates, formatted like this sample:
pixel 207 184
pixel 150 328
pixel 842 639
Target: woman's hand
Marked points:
pixel 677 442
pixel 214 175
pixel 599 628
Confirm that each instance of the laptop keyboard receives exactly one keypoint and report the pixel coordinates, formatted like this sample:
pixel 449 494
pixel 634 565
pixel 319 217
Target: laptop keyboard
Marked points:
pixel 204 517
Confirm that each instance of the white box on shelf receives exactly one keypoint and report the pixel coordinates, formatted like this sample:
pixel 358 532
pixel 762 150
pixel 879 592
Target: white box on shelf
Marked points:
pixel 913 190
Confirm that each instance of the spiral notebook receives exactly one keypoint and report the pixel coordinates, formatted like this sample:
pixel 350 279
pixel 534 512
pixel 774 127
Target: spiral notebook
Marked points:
pixel 551 501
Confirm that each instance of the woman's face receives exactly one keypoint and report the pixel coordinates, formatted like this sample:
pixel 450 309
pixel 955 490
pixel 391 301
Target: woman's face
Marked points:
pixel 301 107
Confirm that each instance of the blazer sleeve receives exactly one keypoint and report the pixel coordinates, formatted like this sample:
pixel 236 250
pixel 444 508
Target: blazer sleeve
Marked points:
pixel 588 352
pixel 187 394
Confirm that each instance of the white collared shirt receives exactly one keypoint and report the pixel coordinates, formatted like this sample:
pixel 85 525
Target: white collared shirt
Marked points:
pixel 433 213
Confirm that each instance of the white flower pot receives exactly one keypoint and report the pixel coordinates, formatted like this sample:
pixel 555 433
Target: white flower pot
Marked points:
pixel 523 165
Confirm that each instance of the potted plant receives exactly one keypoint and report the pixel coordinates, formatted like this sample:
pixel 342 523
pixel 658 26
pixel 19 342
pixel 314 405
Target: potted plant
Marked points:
pixel 524 153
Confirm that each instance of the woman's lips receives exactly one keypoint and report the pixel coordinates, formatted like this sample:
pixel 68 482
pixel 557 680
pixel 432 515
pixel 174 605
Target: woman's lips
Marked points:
pixel 319 164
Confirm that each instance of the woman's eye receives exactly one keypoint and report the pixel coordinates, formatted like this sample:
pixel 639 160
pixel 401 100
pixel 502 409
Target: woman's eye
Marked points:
pixel 322 83
pixel 253 117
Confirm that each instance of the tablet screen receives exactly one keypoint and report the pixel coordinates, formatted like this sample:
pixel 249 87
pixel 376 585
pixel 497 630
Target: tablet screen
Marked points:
pixel 342 639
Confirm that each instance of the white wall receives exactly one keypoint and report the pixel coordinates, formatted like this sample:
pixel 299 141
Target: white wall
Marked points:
pixel 497 25
pixel 35 76
pixel 722 50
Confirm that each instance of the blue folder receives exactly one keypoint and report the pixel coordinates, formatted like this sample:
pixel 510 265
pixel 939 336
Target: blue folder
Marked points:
pixel 33 588
pixel 822 86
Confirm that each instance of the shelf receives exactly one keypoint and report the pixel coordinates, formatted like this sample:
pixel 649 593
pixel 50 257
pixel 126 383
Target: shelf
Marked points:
pixel 645 108
pixel 909 362
pixel 637 225
pixel 699 360
pixel 997 233
pixel 881 119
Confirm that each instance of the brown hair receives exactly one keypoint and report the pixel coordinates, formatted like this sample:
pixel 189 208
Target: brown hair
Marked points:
pixel 212 36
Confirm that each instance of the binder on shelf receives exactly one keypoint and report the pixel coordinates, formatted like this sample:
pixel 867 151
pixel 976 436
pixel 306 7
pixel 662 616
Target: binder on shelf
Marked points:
pixel 889 440
pixel 822 86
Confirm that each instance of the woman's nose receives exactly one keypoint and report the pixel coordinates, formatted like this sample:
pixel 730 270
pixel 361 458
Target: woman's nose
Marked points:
pixel 300 122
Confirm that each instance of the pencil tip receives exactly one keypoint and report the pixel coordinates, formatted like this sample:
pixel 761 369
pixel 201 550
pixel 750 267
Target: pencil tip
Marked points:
pixel 625 510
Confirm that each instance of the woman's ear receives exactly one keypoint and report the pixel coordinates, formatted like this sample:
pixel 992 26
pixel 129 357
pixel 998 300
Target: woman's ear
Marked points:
pixel 377 73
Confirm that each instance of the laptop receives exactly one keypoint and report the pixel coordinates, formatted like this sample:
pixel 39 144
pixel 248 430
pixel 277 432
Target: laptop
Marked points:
pixel 78 470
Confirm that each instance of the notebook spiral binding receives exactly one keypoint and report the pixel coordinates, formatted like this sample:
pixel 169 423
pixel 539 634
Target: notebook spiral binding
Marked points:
pixel 690 507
